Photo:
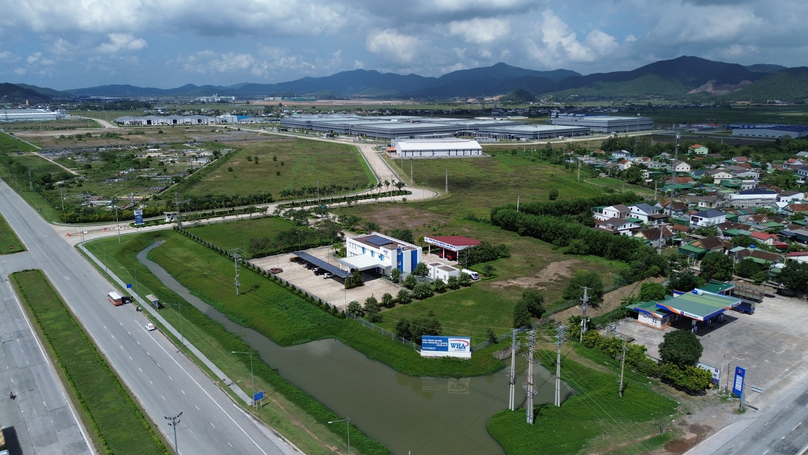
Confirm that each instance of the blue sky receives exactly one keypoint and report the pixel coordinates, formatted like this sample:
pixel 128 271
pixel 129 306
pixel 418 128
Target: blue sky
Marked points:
pixel 66 44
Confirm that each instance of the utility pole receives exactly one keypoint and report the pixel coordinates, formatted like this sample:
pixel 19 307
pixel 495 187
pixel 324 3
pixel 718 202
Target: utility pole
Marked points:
pixel 446 182
pixel 30 181
pixel 622 367
pixel 530 387
pixel 511 404
pixel 117 224
pixel 579 169
pixel 412 182
pixel 236 257
pixel 673 175
pixel 517 203
pixel 584 305
pixel 559 342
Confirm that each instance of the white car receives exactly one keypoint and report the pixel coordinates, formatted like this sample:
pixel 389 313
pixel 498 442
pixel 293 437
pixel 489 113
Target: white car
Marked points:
pixel 150 327
pixel 327 275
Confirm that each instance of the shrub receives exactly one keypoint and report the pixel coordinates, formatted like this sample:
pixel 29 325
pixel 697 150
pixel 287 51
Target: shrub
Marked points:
pixel 410 282
pixel 422 291
pixel 439 286
pixel 404 297
pixel 592 339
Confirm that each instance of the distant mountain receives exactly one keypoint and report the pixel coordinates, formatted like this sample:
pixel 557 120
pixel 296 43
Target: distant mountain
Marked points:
pixel 49 92
pixel 15 94
pixel 677 78
pixel 786 85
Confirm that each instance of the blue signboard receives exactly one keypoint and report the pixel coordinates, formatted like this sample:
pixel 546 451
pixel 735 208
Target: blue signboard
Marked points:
pixel 258 396
pixel 435 346
pixel 138 217
pixel 737 386
pixel 129 286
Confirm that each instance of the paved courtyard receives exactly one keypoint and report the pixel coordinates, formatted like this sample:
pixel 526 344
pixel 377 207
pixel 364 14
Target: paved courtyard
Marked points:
pixel 771 344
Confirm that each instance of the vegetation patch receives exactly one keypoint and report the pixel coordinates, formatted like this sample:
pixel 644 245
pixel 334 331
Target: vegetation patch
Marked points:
pixel 118 423
pixel 9 242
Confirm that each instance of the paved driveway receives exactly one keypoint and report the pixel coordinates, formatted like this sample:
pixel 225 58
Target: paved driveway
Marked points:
pixel 331 290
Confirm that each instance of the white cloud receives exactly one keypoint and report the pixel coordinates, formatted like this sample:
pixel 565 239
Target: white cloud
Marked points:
pixel 122 42
pixel 33 57
pixel 8 56
pixel 358 65
pixel 391 45
pixel 20 71
pixel 479 30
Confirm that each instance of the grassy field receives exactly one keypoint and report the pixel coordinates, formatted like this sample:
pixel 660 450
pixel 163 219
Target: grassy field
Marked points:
pixel 595 419
pixel 238 234
pixel 794 114
pixel 283 163
pixel 119 425
pixel 9 242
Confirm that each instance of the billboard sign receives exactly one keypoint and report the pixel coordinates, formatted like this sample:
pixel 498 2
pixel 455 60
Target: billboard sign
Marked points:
pixel 258 396
pixel 713 370
pixel 737 386
pixel 138 217
pixel 437 346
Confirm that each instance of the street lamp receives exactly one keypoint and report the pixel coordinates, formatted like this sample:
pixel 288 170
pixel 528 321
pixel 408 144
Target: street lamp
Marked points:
pixel 347 421
pixel 174 422
pixel 252 378
pixel 117 224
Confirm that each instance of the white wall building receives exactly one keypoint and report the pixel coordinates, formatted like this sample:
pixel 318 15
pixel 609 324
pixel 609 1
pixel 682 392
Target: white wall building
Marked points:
pixel 442 271
pixel 753 198
pixel 381 253
pixel 31 115
pixel 437 148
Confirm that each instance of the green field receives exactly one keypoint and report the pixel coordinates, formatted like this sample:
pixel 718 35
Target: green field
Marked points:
pixel 238 234
pixel 119 425
pixel 9 242
pixel 593 420
pixel 283 164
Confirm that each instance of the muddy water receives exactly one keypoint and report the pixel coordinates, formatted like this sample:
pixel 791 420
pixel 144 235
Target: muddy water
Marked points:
pixel 405 413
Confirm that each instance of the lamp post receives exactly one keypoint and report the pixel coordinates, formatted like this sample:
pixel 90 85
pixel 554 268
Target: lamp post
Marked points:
pixel 347 421
pixel 117 224
pixel 174 422
pixel 252 380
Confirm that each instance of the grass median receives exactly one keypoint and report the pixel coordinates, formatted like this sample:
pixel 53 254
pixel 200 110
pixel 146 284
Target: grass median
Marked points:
pixel 118 424
pixel 9 242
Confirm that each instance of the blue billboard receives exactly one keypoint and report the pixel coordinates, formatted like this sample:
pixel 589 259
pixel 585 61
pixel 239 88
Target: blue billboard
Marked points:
pixel 439 346
pixel 737 386
pixel 138 217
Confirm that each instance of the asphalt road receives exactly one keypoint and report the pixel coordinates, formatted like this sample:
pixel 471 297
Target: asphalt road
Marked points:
pixel 164 381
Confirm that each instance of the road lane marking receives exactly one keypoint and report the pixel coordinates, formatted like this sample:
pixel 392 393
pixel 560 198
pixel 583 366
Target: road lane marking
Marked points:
pixel 138 343
pixel 795 426
pixel 183 392
pixel 121 346
pixel 231 445
pixel 151 383
pixel 211 424
pixel 197 407
pixel 140 369
pixel 130 357
pixel 162 397
pixel 170 378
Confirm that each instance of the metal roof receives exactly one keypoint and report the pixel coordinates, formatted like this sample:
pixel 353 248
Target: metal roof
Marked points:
pixel 334 270
pixel 700 306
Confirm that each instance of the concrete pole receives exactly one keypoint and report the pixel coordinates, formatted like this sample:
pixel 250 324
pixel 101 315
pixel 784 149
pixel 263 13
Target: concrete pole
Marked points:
pixel 584 304
pixel 530 386
pixel 511 404
pixel 560 341
pixel 622 366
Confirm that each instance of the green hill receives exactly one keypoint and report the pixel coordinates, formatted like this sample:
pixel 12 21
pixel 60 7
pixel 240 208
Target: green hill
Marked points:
pixel 786 85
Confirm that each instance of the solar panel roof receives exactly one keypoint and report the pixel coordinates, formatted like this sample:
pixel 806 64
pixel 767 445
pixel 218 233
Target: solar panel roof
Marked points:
pixel 377 240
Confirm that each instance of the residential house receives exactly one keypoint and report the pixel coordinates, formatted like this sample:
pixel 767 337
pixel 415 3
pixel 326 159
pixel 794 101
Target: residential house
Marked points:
pixel 675 208
pixel 793 163
pixel 791 209
pixel 680 166
pixel 801 171
pixel 759 256
pixel 755 197
pixel 656 237
pixel 624 164
pixel 612 211
pixel 711 244
pixel 698 149
pixel 622 226
pixel 790 196
pixel 707 218
pixel 621 154
pixel 740 159
pixel 719 175
pixel 648 214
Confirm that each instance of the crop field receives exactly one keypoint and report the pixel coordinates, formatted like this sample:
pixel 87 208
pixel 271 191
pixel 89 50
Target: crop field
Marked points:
pixel 275 163
pixel 107 407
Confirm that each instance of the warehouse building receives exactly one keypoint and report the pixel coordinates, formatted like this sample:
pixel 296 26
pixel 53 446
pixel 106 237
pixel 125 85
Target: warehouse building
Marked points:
pixel 769 130
pixel 153 120
pixel 437 148
pixel 606 123
pixel 532 132
pixel 31 115
pixel 381 253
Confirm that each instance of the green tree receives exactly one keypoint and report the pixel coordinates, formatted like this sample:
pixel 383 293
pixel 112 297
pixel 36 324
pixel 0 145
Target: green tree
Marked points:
pixel 403 329
pixel 453 282
pixel 387 300
pixel 690 378
pixel 491 335
pixel 534 300
pixel 395 275
pixel 405 235
pixel 632 175
pixel 464 280
pixel 439 286
pixel 422 291
pixel 355 309
pixel 574 289
pixel 424 325
pixel 488 269
pixel 553 194
pixel 651 291
pixel 684 282
pixel 521 315
pixel 410 282
pixel 794 276
pixel 372 309
pixel 716 266
pixel 681 348
pixel 706 231
pixel 421 269
pixel 404 297
pixel 747 268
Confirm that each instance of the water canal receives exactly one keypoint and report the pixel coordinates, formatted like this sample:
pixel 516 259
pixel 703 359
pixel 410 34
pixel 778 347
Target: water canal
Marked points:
pixel 405 413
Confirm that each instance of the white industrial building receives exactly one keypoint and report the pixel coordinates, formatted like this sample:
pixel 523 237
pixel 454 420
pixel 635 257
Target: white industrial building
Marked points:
pixel 606 123
pixel 442 271
pixel 151 120
pixel 381 253
pixel 769 131
pixel 437 148
pixel 755 197
pixel 31 115
pixel 533 132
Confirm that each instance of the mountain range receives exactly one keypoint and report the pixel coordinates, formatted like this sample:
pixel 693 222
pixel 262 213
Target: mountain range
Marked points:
pixel 681 78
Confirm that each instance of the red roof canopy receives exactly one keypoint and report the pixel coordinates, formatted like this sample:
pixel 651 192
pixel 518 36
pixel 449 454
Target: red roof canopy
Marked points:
pixel 454 240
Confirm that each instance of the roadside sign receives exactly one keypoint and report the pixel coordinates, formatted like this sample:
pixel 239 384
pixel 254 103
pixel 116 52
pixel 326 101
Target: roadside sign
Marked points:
pixel 138 217
pixel 129 286
pixel 737 386
pixel 258 396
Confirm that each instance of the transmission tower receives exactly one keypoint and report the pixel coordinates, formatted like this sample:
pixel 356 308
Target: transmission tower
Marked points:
pixel 584 304
pixel 530 386
pixel 236 258
pixel 511 404
pixel 559 342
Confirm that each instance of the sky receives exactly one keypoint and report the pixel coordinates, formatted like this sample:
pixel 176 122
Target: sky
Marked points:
pixel 66 44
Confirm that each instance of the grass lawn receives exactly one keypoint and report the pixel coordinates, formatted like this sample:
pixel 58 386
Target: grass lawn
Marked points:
pixel 120 426
pixel 283 163
pixel 593 420
pixel 9 242
pixel 238 234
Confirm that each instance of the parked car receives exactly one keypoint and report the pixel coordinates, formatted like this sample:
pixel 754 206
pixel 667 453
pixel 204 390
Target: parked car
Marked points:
pixel 150 327
pixel 318 271
pixel 275 270
pixel 327 275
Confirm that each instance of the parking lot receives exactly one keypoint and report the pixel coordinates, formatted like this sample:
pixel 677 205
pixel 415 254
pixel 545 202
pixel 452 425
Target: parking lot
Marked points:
pixel 771 344
pixel 331 290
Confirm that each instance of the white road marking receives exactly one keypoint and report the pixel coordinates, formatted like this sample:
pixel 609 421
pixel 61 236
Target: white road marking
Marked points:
pixel 197 407
pixel 231 445
pixel 140 369
pixel 130 357
pixel 795 426
pixel 211 424
pixel 138 343
pixel 162 397
pixel 183 392
pixel 170 378
pixel 151 383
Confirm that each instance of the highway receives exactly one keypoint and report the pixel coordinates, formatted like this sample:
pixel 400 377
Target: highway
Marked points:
pixel 163 380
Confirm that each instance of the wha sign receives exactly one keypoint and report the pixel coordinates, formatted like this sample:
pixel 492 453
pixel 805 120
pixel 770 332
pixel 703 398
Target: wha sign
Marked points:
pixel 432 346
